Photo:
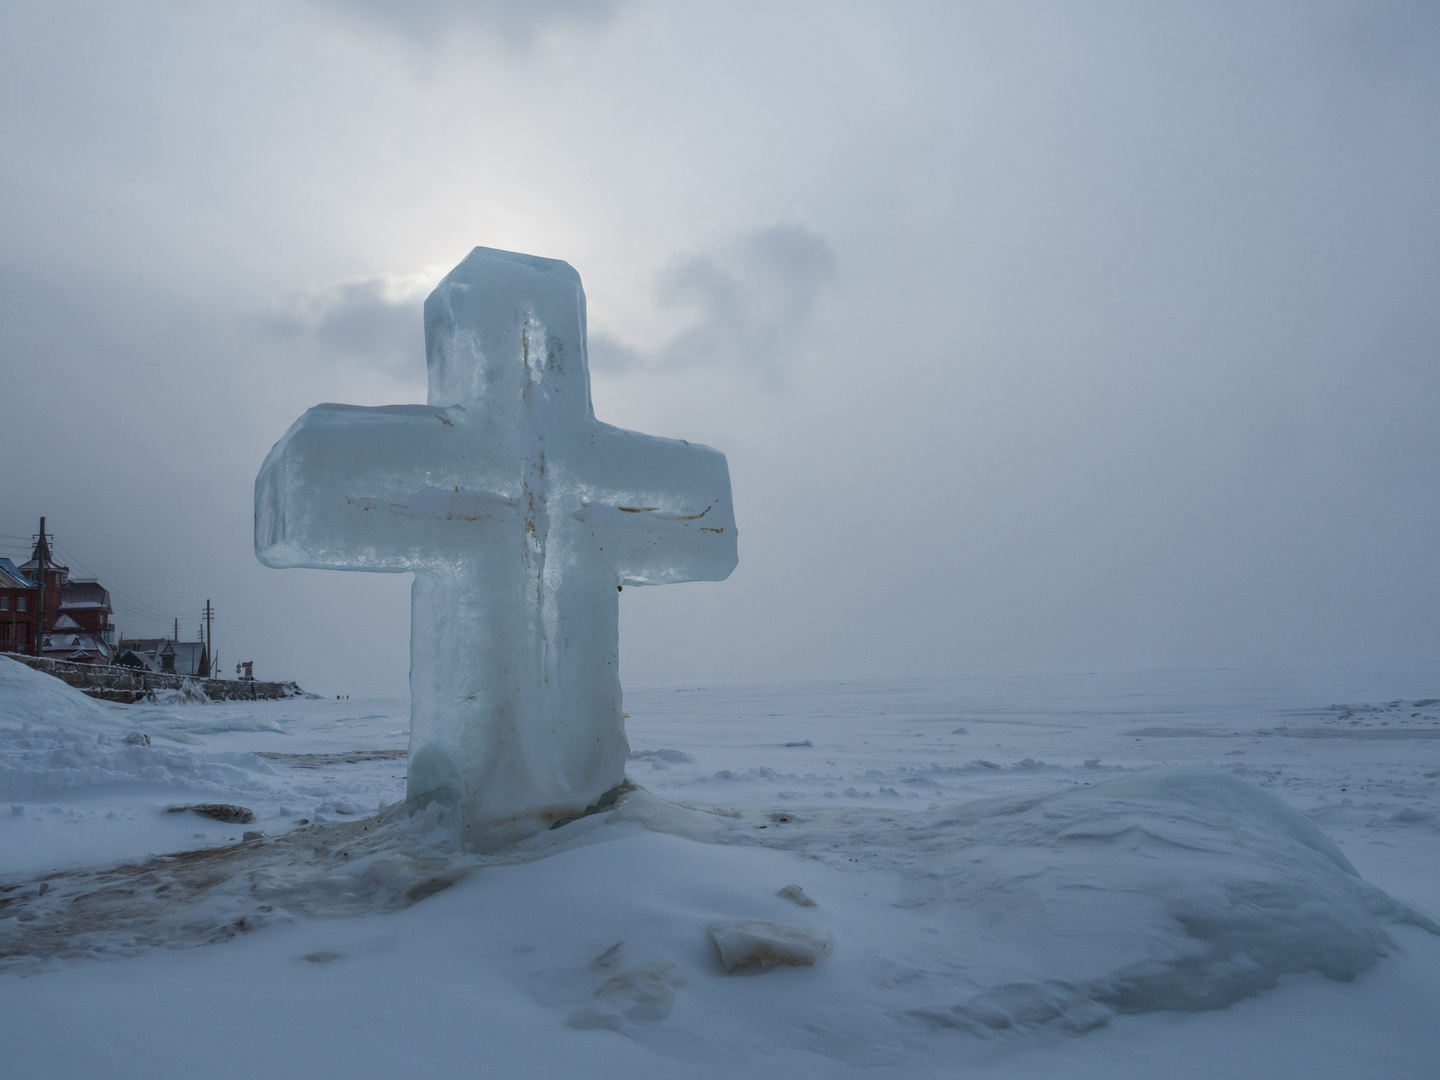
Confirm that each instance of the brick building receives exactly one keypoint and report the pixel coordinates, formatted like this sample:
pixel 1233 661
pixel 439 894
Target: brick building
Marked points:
pixel 18 602
pixel 75 624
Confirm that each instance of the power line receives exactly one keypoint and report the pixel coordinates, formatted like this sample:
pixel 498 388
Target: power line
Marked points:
pixel 163 620
pixel 88 570
pixel 149 611
pixel 133 606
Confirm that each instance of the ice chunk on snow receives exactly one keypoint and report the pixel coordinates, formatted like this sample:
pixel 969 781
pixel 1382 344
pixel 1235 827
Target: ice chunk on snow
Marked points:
pixel 519 514
pixel 797 894
pixel 188 694
pixel 755 945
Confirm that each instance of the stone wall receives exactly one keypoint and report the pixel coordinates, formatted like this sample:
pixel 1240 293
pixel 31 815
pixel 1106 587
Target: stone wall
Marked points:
pixel 129 685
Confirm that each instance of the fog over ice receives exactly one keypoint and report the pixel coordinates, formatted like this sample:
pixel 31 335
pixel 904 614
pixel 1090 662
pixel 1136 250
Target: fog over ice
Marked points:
pixel 1037 336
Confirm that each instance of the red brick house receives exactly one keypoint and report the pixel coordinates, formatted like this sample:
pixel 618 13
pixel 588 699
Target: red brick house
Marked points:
pixel 19 599
pixel 76 621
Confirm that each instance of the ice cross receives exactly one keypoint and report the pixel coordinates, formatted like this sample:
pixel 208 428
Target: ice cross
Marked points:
pixel 519 514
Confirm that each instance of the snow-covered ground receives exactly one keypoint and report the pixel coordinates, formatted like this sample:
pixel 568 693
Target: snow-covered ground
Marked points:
pixel 1020 877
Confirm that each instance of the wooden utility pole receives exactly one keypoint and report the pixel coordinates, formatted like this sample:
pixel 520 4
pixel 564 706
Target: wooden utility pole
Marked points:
pixel 42 551
pixel 209 643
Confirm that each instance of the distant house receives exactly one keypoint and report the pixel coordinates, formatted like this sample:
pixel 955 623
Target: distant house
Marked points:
pixel 68 640
pixel 88 603
pixel 165 655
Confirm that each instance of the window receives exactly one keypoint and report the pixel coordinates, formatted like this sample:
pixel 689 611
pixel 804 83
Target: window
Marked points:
pixel 4 603
pixel 22 603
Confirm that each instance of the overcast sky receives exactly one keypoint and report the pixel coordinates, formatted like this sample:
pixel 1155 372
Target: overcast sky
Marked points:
pixel 1040 336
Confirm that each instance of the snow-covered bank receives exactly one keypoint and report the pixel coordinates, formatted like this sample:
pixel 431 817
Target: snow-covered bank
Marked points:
pixel 86 781
pixel 56 743
pixel 998 869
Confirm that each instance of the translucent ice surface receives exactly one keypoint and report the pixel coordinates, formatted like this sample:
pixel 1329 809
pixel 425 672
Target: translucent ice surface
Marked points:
pixel 519 514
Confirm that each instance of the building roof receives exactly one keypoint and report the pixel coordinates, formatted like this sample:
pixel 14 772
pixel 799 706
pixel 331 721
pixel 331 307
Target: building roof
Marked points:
pixel 84 593
pixel 50 564
pixel 68 641
pixel 189 655
pixel 156 644
pixel 42 557
pixel 65 622
pixel 12 578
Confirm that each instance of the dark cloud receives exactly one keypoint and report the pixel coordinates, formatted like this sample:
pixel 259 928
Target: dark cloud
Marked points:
pixel 750 301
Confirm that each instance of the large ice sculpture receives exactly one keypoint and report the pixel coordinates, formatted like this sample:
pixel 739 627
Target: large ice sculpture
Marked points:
pixel 519 514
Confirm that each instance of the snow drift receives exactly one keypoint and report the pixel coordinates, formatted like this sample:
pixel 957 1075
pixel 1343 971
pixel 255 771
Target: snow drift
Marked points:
pixel 1167 889
pixel 54 739
pixel 30 697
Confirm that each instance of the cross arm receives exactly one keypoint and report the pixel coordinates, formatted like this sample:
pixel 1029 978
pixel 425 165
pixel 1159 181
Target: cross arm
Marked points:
pixel 660 509
pixel 389 489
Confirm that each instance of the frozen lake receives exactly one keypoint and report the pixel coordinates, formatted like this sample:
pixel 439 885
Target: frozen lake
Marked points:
pixel 497 973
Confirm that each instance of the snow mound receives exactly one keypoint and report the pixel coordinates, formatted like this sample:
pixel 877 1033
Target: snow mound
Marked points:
pixel 45 763
pixel 28 696
pixel 54 740
pixel 1163 890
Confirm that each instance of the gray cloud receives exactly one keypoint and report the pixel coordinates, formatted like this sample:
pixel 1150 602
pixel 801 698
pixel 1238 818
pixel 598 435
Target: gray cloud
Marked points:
pixel 374 321
pixel 749 302
pixel 427 22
